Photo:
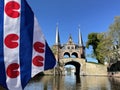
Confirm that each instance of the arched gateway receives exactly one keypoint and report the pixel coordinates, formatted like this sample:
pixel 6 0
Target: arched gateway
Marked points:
pixel 70 54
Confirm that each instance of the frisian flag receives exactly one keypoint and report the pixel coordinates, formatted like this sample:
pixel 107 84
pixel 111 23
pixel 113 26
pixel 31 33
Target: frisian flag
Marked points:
pixel 23 48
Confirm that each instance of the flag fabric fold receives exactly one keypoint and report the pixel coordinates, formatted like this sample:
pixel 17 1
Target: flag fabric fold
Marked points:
pixel 24 51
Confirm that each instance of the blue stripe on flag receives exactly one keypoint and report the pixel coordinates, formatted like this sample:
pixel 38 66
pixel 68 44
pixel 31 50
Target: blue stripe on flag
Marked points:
pixel 2 66
pixel 50 60
pixel 26 42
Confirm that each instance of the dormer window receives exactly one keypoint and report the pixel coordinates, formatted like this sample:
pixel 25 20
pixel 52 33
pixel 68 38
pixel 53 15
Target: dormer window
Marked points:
pixel 68 47
pixel 72 47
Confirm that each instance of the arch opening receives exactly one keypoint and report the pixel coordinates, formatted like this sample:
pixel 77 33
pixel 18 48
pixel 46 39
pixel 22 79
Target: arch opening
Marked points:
pixel 74 55
pixel 69 69
pixel 76 65
pixel 66 55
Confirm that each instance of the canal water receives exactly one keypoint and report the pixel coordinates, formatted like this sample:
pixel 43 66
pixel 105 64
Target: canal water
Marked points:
pixel 71 82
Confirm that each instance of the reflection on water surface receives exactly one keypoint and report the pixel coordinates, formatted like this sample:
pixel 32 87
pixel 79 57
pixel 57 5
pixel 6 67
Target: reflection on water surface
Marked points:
pixel 71 82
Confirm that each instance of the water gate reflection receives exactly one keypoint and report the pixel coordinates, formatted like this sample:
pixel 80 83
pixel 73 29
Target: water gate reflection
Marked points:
pixel 71 82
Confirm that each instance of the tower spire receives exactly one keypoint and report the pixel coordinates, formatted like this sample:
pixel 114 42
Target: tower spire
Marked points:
pixel 80 41
pixel 70 39
pixel 57 41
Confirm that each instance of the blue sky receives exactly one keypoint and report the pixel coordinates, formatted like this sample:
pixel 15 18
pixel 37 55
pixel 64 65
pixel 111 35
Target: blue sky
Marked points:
pixel 91 15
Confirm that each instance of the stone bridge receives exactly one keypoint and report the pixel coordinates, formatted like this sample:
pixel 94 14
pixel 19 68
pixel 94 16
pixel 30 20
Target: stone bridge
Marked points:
pixel 80 65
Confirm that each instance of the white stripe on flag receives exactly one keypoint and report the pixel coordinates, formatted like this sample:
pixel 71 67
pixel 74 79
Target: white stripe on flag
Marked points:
pixel 38 33
pixel 11 44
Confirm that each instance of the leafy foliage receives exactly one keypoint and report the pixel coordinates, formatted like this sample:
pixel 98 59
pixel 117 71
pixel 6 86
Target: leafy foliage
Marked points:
pixel 114 30
pixel 93 40
pixel 103 43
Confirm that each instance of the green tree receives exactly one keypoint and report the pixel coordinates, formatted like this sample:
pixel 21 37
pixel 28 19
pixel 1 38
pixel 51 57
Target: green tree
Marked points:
pixel 103 43
pixel 104 48
pixel 114 30
pixel 93 41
